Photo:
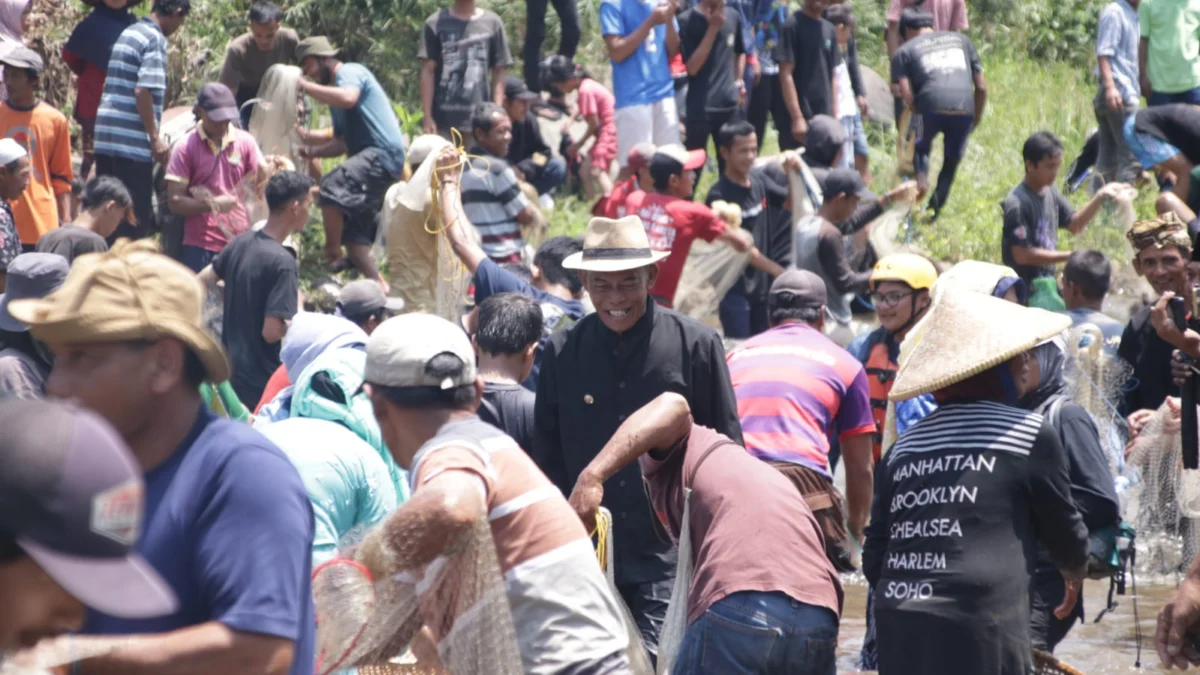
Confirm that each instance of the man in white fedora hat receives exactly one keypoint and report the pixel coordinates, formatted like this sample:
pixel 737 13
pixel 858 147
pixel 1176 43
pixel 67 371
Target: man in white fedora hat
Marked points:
pixel 609 365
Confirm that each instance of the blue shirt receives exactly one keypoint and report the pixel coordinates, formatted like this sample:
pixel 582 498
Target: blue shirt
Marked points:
pixel 229 527
pixel 138 61
pixel 372 122
pixel 1110 328
pixel 557 314
pixel 1117 38
pixel 645 76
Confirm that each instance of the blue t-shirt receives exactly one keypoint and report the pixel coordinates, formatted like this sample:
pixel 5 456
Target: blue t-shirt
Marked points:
pixel 645 76
pixel 372 123
pixel 234 547
pixel 1110 328
pixel 557 314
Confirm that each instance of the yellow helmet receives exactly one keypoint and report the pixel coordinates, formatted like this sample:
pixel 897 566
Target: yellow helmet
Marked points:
pixel 908 268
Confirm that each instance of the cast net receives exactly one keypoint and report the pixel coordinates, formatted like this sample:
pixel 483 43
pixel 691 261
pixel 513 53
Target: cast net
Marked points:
pixel 278 108
pixel 639 658
pixel 712 268
pixel 1094 381
pixel 371 605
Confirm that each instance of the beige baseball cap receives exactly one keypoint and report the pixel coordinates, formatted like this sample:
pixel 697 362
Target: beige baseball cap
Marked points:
pixel 400 349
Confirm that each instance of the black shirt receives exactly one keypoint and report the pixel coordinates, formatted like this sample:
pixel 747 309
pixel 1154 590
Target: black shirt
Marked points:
pixel 70 242
pixel 592 379
pixel 940 68
pixel 261 280
pixel 1150 357
pixel 526 140
pixel 1175 123
pixel 811 44
pixel 713 89
pixel 756 219
pixel 509 408
pixel 1033 220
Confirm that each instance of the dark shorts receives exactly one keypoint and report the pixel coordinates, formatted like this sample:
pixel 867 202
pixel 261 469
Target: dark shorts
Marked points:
pixel 357 188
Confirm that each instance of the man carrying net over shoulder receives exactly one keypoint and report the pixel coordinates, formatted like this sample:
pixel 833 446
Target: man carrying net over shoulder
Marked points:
pixel 421 378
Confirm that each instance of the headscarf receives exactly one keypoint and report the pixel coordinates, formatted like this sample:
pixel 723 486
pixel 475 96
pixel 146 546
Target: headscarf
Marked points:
pixel 11 34
pixel 94 37
pixel 310 335
pixel 1051 357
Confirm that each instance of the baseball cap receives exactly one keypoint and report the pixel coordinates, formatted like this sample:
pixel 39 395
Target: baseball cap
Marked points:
pixel 843 181
pixel 10 151
pixel 825 138
pixel 132 292
pixel 401 348
pixel 514 88
pixel 640 155
pixel 23 57
pixel 31 275
pixel 315 45
pixel 217 101
pixel 665 155
pixel 806 288
pixel 72 498
pixel 363 297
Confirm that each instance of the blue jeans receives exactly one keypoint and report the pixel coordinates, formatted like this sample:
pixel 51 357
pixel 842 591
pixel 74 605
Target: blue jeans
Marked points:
pixel 760 633
pixel 549 176
pixel 196 258
pixel 1190 96
pixel 855 144
pixel 741 317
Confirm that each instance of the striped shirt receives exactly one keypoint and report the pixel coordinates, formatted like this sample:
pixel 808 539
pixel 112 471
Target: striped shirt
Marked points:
pixel 492 200
pixel 979 427
pixel 562 609
pixel 138 61
pixel 795 388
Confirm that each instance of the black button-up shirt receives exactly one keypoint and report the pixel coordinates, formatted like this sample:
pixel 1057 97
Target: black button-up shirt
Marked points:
pixel 592 379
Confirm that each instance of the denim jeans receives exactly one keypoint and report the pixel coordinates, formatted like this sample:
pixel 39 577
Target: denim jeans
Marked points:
pixel 760 633
pixel 741 317
pixel 1190 96
pixel 548 176
pixel 196 258
pixel 855 144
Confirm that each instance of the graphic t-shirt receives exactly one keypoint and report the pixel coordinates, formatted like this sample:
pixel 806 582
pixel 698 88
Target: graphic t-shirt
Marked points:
pixel 714 88
pixel 756 219
pixel 811 45
pixel 940 68
pixel 644 76
pixel 1032 221
pixel 766 35
pixel 372 122
pixel 465 53
pixel 1177 124
pixel 261 280
pixel 672 224
pixel 10 241
pixel 44 133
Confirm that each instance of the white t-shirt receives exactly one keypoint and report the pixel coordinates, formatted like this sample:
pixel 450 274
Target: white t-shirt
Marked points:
pixel 846 105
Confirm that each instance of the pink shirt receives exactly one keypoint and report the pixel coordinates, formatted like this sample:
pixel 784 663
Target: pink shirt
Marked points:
pixel 594 99
pixel 947 14
pixel 211 171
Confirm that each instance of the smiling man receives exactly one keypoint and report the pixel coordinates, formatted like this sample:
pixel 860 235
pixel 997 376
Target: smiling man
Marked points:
pixel 606 367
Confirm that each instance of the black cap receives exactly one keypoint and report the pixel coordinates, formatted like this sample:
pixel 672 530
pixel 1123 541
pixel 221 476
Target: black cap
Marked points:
pixel 72 498
pixel 218 102
pixel 514 88
pixel 805 288
pixel 364 297
pixel 825 138
pixel 843 181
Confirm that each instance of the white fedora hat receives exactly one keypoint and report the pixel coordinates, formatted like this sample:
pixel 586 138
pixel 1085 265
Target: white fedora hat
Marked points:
pixel 968 333
pixel 614 246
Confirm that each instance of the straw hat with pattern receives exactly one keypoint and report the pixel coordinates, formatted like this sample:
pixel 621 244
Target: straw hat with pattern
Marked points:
pixel 968 333
pixel 132 292
pixel 614 246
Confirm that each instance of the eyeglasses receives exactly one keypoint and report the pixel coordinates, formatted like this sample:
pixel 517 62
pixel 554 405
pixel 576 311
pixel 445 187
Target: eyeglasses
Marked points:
pixel 888 299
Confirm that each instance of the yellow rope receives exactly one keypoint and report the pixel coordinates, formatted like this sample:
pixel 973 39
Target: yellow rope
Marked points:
pixel 603 527
pixel 435 203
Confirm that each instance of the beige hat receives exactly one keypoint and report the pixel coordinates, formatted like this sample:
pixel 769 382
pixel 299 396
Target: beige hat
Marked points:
pixel 968 333
pixel 974 275
pixel 132 292
pixel 614 246
pixel 401 347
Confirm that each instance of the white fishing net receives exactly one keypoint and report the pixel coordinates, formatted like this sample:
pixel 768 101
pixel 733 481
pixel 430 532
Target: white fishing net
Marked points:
pixel 675 623
pixel 278 108
pixel 1094 381
pixel 369 606
pixel 712 268
pixel 639 658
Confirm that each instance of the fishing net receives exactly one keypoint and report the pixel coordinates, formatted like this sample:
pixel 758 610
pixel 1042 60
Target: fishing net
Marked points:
pixel 712 268
pixel 675 623
pixel 371 604
pixel 279 107
pixel 805 192
pixel 1166 502
pixel 639 658
pixel 48 656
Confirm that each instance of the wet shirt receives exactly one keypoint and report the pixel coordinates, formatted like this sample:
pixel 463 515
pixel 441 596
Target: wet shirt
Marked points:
pixel 672 224
pixel 592 379
pixel 961 500
pixel 757 220
pixel 202 507
pixel 750 528
pixel 1033 220
pixel 1177 124
pixel 465 51
pixel 796 390
pixel 714 89
pixel 811 46
pixel 940 68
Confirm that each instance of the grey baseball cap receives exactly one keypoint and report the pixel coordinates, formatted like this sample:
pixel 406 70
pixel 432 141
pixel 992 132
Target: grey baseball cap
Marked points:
pixel 363 297
pixel 23 57
pixel 71 497
pixel 805 288
pixel 31 276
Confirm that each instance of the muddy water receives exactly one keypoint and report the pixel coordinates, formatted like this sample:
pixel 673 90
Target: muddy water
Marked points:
pixel 1105 648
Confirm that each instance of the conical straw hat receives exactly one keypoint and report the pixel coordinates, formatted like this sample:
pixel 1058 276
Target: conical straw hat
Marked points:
pixel 974 275
pixel 968 333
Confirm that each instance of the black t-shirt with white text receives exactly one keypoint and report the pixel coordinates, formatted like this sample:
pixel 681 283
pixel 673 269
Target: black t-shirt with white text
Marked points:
pixel 941 69
pixel 714 89
pixel 756 219
pixel 811 44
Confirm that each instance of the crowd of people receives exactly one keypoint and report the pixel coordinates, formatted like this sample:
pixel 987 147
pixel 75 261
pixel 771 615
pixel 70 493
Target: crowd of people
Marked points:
pixel 192 482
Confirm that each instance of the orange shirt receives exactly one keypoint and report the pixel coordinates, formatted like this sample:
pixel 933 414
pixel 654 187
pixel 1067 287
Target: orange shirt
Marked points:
pixel 43 132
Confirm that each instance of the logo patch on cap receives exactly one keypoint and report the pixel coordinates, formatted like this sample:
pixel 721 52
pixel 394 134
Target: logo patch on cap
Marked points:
pixel 117 512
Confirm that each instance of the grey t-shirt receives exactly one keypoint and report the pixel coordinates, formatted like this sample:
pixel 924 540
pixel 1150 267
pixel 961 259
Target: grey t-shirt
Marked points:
pixel 465 53
pixel 71 241
pixel 1032 221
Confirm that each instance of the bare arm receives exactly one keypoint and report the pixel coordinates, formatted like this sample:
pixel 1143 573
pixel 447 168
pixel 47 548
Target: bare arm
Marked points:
pixel 452 213
pixel 334 97
pixel 698 58
pixel 1143 51
pixel 672 35
pixel 621 47
pixel 63 202
pixel 892 37
pixel 980 98
pixel 498 74
pixel 183 204
pixel 210 647
pixel 1038 257
pixel 428 74
pixel 528 215
pixel 335 147
pixel 1085 214
pixel 144 99
pixel 860 482
pixel 208 276
pixel 788 86
pixel 273 330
